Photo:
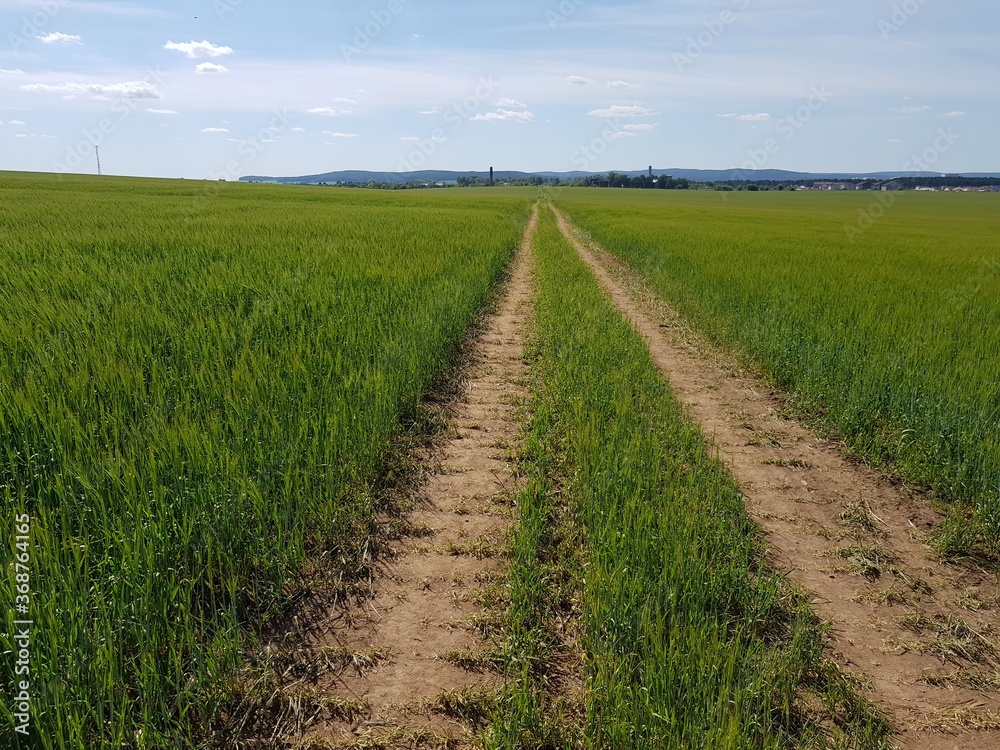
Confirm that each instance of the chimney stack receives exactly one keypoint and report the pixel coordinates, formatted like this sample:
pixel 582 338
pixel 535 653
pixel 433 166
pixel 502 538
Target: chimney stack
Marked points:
pixel 491 175
pixel 650 173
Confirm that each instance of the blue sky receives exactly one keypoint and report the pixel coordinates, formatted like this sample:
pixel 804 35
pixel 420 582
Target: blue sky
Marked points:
pixel 213 88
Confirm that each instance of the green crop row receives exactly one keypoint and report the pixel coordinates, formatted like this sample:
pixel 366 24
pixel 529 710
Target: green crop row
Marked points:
pixel 878 313
pixel 199 387
pixel 688 640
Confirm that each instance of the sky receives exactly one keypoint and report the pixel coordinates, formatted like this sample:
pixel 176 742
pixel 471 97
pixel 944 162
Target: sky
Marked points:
pixel 229 88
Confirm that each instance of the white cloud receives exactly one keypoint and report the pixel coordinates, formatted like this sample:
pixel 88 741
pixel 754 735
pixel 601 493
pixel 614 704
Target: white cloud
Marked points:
pixel 505 115
pixel 215 130
pixel 20 135
pixel 342 100
pixel 14 72
pixel 16 123
pixel 126 90
pixel 894 141
pixel 953 114
pixel 418 139
pixel 57 37
pixel 615 135
pixel 910 110
pixel 162 111
pixel 619 85
pixel 621 110
pixel 510 103
pixel 330 111
pixel 298 130
pixel 333 134
pixel 578 81
pixel 639 127
pixel 432 111
pixel 198 50
pixel 751 117
pixel 207 68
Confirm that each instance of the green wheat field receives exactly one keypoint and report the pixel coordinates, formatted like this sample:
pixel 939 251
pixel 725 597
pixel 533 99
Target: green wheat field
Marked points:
pixel 203 385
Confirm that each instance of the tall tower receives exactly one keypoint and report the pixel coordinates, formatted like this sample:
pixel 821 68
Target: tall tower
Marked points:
pixel 97 153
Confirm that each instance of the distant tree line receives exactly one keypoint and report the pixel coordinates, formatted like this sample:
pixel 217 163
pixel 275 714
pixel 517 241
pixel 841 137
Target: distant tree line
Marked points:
pixel 662 182
pixel 645 182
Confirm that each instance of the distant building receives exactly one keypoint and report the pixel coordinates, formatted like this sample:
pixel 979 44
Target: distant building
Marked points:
pixel 833 186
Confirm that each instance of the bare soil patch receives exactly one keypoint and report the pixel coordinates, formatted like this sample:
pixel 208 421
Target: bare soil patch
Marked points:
pixel 919 632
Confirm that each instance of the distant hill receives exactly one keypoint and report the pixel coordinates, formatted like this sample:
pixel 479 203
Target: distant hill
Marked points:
pixel 695 175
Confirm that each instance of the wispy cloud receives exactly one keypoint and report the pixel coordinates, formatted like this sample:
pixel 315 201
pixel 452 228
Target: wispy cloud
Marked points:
pixel 14 72
pixel 505 115
pixel 578 81
pixel 436 138
pixel 214 130
pixel 333 134
pixel 57 37
pixel 199 50
pixel 330 111
pixel 162 111
pixel 620 85
pixel 910 110
pixel 954 114
pixel 750 117
pixel 639 127
pixel 510 103
pixel 621 110
pixel 207 68
pixel 126 90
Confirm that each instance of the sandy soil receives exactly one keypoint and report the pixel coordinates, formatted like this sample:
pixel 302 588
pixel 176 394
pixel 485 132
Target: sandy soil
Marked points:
pixel 920 632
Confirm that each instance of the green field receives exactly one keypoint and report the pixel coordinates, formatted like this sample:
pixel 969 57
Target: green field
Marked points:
pixel 205 386
pixel 888 335
pixel 199 387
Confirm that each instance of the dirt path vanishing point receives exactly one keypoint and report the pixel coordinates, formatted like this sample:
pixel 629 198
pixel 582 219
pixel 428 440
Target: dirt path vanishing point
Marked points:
pixel 415 644
pixel 920 632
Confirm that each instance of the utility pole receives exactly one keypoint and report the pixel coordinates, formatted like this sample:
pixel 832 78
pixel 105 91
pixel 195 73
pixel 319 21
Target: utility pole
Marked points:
pixel 97 153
